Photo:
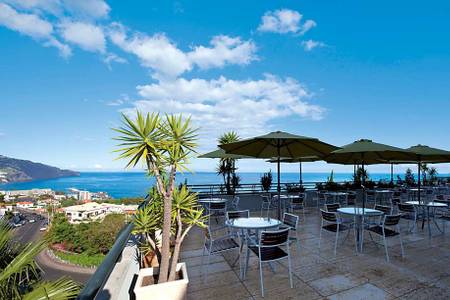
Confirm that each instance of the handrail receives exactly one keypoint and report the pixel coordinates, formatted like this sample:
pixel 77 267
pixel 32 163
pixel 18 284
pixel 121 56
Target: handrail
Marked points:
pixel 99 278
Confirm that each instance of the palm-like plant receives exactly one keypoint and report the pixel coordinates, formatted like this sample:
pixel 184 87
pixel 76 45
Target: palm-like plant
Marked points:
pixel 163 146
pixel 424 169
pixel 227 166
pixel 19 274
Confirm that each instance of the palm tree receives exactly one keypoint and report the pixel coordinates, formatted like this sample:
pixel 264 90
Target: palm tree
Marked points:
pixel 163 146
pixel 424 169
pixel 19 274
pixel 227 166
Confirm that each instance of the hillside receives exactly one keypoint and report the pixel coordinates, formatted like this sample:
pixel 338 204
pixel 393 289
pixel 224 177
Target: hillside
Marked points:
pixel 17 170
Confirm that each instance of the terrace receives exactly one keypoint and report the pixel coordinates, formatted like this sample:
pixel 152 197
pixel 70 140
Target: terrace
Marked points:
pixel 317 273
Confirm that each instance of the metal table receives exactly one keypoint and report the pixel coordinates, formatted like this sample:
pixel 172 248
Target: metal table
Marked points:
pixel 247 226
pixel 359 214
pixel 426 208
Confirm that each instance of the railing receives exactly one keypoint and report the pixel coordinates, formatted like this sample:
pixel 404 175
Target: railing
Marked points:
pixel 101 275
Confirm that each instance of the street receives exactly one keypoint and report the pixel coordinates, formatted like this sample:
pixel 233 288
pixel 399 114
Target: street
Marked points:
pixel 29 232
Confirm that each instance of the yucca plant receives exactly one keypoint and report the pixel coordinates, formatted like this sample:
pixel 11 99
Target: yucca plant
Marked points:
pixel 163 146
pixel 227 166
pixel 19 274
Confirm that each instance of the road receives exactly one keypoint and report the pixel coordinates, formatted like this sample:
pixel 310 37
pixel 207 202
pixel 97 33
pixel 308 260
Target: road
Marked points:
pixel 53 269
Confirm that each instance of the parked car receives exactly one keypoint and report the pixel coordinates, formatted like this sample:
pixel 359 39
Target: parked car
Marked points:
pixel 32 221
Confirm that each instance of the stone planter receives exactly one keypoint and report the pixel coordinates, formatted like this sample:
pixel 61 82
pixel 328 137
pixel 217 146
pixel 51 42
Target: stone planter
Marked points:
pixel 174 290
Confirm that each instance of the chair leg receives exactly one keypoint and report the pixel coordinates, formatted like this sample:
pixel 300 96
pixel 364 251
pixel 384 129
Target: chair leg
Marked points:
pixel 297 240
pixel 261 278
pixel 320 234
pixel 401 241
pixel 336 241
pixel 290 268
pixel 207 265
pixel 385 246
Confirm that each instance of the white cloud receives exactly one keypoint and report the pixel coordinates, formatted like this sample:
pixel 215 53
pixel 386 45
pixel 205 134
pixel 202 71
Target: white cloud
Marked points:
pixel 311 44
pixel 166 60
pixel 224 49
pixel 31 25
pixel 87 36
pixel 247 106
pixel 28 24
pixel 90 8
pixel 285 21
pixel 98 166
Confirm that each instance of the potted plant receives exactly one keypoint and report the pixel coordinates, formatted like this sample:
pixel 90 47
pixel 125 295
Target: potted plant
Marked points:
pixel 266 181
pixel 163 146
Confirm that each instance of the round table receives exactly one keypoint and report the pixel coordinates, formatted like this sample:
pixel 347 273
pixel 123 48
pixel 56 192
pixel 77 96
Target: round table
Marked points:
pixel 426 207
pixel 358 213
pixel 212 200
pixel 246 225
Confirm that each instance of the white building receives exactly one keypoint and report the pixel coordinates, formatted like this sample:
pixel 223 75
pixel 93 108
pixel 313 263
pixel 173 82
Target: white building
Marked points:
pixel 24 204
pixel 92 211
pixel 84 196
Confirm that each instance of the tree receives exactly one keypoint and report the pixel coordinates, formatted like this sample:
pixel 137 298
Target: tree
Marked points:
pixel 19 274
pixel 432 173
pixel 227 166
pixel 424 170
pixel 358 176
pixel 163 146
pixel 409 177
pixel 266 181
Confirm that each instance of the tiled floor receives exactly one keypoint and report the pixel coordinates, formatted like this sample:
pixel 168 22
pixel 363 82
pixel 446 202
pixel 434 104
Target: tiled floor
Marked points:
pixel 424 273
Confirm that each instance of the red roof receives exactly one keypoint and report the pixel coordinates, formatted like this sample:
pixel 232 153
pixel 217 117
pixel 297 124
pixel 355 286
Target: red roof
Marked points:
pixel 24 202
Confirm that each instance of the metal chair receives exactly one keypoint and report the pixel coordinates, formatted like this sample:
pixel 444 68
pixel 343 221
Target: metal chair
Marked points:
pixel 218 245
pixel 291 221
pixel 385 229
pixel 408 212
pixel 297 203
pixel 216 209
pixel 269 249
pixel 238 214
pixel 333 223
pixel 351 198
pixel 265 205
pixel 332 207
pixel 235 203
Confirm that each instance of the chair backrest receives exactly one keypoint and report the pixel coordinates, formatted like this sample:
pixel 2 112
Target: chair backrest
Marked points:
pixel 403 207
pixel 235 200
pixel 265 198
pixel 290 220
pixel 238 214
pixel 217 205
pixel 333 207
pixel 397 194
pixel 370 193
pixel 429 192
pixel 385 209
pixel 274 238
pixel 321 195
pixel 329 216
pixel 298 199
pixel 391 220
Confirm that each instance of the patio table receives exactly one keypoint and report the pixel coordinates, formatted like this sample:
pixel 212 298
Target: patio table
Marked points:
pixel 249 225
pixel 426 208
pixel 358 213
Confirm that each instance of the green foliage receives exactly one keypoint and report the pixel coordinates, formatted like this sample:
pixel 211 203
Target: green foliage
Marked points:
pixel 81 259
pixel 88 238
pixel 227 166
pixel 163 146
pixel 409 177
pixel 266 181
pixel 69 202
pixel 432 173
pixel 19 274
pixel 359 175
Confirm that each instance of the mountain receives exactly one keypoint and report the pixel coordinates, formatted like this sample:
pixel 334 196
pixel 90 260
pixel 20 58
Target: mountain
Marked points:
pixel 15 170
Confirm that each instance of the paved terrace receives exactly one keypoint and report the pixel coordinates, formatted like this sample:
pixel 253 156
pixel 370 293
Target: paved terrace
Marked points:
pixel 423 274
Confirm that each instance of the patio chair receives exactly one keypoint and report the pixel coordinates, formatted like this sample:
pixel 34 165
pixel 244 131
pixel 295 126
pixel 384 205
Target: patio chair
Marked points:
pixel 238 214
pixel 269 248
pixel 217 245
pixel 389 227
pixel 291 221
pixel 297 203
pixel 265 205
pixel 216 210
pixel 396 199
pixel 370 196
pixel 351 198
pixel 408 212
pixel 319 198
pixel 330 199
pixel 234 204
pixel 333 223
pixel 376 220
pixel 332 207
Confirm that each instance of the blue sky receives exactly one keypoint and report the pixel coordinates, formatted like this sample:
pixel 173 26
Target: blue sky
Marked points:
pixel 336 70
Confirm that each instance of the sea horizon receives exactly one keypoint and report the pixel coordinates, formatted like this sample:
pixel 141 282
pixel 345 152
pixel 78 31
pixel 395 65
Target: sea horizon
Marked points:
pixel 136 184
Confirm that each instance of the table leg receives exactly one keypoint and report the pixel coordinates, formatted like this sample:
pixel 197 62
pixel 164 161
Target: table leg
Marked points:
pixel 358 224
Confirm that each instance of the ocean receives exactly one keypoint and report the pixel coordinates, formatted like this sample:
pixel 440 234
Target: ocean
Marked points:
pixel 136 184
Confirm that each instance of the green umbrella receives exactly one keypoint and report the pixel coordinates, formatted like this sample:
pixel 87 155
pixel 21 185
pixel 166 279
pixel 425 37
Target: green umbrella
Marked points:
pixel 299 160
pixel 280 145
pixel 220 153
pixel 367 152
pixel 425 154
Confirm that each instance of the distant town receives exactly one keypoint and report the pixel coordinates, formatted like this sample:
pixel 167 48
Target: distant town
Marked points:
pixel 77 205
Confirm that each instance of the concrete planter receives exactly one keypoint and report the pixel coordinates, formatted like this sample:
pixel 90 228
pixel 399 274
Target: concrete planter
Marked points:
pixel 174 290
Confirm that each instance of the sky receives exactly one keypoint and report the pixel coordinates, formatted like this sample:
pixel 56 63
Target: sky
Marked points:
pixel 335 70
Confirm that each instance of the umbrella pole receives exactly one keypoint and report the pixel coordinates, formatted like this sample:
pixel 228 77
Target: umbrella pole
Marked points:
pixel 278 179
pixel 301 179
pixel 363 181
pixel 392 173
pixel 418 182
